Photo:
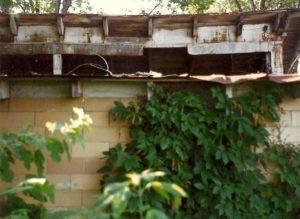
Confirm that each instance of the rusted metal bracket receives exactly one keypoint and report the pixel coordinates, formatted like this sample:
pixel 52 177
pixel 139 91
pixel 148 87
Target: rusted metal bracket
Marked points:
pixel 77 89
pixel 4 90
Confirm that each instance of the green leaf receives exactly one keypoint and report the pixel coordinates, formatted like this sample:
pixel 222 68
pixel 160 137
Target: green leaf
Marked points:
pixel 155 214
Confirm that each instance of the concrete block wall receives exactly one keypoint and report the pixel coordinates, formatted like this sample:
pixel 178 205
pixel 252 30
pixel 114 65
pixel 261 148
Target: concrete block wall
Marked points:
pixel 53 103
pixel 49 104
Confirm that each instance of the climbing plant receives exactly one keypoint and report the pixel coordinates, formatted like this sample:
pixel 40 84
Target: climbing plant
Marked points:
pixel 209 144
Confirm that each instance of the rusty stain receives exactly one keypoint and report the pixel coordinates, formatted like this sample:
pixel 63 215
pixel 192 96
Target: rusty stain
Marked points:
pixel 6 38
pixel 37 38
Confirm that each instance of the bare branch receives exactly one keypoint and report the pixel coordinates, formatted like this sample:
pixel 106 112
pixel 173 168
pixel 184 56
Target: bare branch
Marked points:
pixel 262 5
pixel 238 5
pixel 252 5
pixel 66 5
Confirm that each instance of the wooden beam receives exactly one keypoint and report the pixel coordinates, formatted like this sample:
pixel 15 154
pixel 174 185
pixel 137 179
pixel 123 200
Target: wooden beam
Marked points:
pixel 13 25
pixel 150 27
pixel 105 27
pixel 77 89
pixel 60 26
pixel 4 90
pixel 195 28
pixel 120 49
pixel 57 64
pixel 149 90
pixel 239 26
pixel 279 22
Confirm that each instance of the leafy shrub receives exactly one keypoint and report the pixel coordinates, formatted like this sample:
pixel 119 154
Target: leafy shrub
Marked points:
pixel 28 148
pixel 139 196
pixel 208 145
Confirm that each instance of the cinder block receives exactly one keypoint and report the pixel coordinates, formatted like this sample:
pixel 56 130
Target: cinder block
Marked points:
pixel 286 118
pixel 27 104
pixel 16 119
pixel 291 134
pixel 291 104
pixel 42 117
pixel 4 105
pixel 75 166
pixel 86 181
pixel 296 118
pixel 66 198
pixel 63 104
pixel 124 135
pixel 92 165
pixel 126 101
pixel 100 119
pixel 90 150
pixel 90 197
pixel 99 104
pixel 103 135
pixel 61 181
pixel 19 169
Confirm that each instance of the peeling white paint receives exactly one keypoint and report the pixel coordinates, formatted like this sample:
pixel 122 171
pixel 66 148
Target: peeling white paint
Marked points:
pixel 229 48
pixel 215 34
pixel 37 34
pixel 171 37
pixel 255 32
pixel 83 35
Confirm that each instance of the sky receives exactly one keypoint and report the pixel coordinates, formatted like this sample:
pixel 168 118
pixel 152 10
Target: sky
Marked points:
pixel 114 7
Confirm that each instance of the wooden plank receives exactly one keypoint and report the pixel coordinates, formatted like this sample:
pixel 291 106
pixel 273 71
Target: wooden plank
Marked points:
pixel 57 64
pixel 4 90
pixel 60 26
pixel 72 48
pixel 279 21
pixel 149 90
pixel 239 26
pixel 77 89
pixel 105 27
pixel 150 27
pixel 195 27
pixel 13 25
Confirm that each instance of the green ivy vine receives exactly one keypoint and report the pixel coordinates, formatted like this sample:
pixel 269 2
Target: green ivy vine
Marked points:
pixel 208 144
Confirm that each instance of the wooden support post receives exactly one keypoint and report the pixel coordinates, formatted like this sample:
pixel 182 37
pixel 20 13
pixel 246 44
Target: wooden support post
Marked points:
pixel 149 90
pixel 77 89
pixel 229 90
pixel 4 90
pixel 239 26
pixel 195 28
pixel 60 28
pixel 279 22
pixel 13 26
pixel 268 63
pixel 298 66
pixel 277 58
pixel 105 27
pixel 150 27
pixel 57 64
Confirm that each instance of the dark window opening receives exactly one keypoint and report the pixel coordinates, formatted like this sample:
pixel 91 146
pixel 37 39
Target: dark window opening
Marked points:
pixel 23 65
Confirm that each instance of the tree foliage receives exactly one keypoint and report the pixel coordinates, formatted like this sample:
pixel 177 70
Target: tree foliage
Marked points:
pixel 44 6
pixel 209 145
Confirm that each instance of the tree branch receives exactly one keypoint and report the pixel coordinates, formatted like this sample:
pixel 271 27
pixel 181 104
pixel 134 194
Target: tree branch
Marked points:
pixel 252 5
pixel 238 5
pixel 262 5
